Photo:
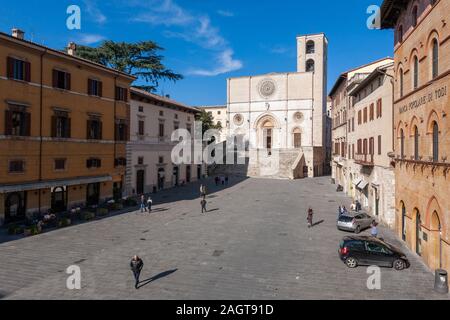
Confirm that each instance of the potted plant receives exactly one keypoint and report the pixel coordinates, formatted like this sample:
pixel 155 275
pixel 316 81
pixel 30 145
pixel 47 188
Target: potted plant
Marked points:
pixel 64 222
pixel 87 215
pixel 32 230
pixel 101 212
pixel 15 229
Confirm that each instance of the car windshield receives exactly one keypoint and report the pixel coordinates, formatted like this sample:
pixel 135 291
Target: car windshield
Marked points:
pixel 345 218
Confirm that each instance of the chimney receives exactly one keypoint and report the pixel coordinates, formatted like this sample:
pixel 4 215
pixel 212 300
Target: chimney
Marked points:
pixel 17 33
pixel 72 48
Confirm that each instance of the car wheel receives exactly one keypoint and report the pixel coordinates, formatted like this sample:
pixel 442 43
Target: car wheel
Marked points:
pixel 399 264
pixel 351 262
pixel 358 229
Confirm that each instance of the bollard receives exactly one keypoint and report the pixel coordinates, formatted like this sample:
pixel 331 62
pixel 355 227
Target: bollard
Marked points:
pixel 441 281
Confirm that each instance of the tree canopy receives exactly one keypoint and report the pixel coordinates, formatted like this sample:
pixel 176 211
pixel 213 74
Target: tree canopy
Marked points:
pixel 141 59
pixel 207 121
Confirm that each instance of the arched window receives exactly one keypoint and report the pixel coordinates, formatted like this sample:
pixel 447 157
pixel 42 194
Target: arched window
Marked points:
pixel 414 16
pixel 401 82
pixel 402 144
pixel 400 34
pixel 435 55
pixel 310 65
pixel 435 142
pixel 418 233
pixel 416 143
pixel 416 73
pixel 310 47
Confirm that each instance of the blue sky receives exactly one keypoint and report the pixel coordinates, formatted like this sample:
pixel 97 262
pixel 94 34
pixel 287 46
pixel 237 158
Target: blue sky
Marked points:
pixel 209 41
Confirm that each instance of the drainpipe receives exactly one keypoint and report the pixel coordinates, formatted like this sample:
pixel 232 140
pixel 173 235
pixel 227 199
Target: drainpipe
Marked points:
pixel 41 97
pixel 393 99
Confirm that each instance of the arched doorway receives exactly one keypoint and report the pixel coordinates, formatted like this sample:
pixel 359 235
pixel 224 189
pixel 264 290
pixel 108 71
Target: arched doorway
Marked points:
pixel 403 222
pixel 267 129
pixel 418 233
pixel 59 199
pixel 161 178
pixel 436 246
pixel 266 132
pixel 15 207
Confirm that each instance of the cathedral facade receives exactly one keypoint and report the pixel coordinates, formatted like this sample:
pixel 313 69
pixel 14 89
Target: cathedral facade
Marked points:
pixel 282 116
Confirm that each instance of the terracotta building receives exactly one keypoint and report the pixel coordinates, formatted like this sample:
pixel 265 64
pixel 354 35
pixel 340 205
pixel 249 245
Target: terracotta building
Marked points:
pixel 63 129
pixel 422 125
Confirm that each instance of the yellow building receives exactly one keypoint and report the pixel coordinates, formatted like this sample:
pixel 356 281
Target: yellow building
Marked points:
pixel 63 129
pixel 422 125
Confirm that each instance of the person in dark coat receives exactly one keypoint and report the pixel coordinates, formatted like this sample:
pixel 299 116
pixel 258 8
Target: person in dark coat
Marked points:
pixel 310 217
pixel 136 266
pixel 203 204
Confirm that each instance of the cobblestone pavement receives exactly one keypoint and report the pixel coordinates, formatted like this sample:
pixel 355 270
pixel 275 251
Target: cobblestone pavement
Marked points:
pixel 252 244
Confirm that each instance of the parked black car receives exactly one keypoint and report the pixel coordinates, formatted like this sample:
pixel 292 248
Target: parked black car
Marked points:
pixel 365 250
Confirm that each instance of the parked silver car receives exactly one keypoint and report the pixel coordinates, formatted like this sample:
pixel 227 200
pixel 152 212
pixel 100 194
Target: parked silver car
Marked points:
pixel 354 222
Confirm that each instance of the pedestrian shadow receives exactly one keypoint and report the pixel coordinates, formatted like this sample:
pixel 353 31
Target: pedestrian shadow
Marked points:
pixel 212 210
pixel 157 277
pixel 159 210
pixel 317 223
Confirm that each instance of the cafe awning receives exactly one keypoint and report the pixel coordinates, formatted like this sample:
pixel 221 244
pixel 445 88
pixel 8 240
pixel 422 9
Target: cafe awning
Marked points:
pixel 52 183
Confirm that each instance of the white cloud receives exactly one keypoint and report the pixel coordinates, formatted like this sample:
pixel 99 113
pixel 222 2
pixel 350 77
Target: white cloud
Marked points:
pixel 193 28
pixel 94 12
pixel 225 64
pixel 88 39
pixel 225 13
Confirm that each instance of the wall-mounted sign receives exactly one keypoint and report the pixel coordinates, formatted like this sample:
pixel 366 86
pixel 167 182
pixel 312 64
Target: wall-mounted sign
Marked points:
pixel 432 96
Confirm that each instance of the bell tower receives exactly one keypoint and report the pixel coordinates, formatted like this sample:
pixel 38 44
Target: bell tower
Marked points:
pixel 312 56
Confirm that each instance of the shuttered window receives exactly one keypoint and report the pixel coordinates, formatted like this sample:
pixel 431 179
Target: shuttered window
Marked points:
pixel 95 88
pixel 61 80
pixel 94 129
pixel 16 166
pixel 18 69
pixel 121 94
pixel 17 123
pixel 61 126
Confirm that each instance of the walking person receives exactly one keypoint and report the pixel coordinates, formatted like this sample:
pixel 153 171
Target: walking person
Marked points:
pixel 344 210
pixel 143 205
pixel 310 217
pixel 226 180
pixel 216 180
pixel 374 229
pixel 202 191
pixel 149 204
pixel 136 266
pixel 203 204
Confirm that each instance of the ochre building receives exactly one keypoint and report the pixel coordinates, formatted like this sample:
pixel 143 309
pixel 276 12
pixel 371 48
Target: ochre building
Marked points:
pixel 63 129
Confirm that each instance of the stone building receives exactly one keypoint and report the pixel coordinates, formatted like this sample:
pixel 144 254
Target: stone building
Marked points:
pixel 149 152
pixel 369 143
pixel 422 125
pixel 341 103
pixel 63 129
pixel 281 116
pixel 220 118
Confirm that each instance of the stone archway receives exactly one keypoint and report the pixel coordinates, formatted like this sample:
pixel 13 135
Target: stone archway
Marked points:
pixel 266 132
pixel 435 249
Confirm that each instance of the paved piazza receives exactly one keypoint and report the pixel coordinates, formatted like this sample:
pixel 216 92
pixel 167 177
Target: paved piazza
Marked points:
pixel 253 244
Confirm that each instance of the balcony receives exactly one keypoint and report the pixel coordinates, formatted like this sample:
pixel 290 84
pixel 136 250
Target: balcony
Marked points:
pixel 364 159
